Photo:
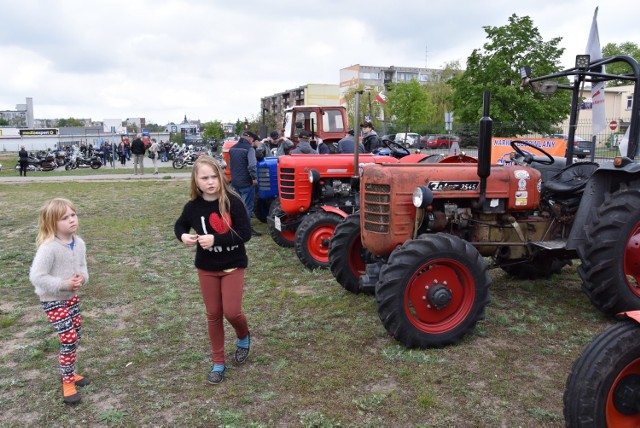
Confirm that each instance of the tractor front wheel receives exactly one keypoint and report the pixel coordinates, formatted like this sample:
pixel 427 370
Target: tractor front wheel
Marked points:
pixel 312 238
pixel 432 291
pixel 286 237
pixel 610 256
pixel 346 257
pixel 604 384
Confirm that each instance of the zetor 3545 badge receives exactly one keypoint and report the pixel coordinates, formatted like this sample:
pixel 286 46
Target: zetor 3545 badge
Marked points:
pixel 453 186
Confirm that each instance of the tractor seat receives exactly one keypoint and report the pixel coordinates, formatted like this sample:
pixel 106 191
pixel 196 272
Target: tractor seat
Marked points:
pixel 570 180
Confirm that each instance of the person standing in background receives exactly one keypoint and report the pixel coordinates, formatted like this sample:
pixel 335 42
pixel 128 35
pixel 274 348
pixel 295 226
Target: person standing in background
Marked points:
pixel 137 150
pixel 153 154
pixel 23 160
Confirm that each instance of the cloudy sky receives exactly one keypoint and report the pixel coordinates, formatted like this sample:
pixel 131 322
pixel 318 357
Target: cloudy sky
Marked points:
pixel 215 59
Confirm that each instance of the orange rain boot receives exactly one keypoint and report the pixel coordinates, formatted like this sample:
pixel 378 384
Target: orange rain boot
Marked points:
pixel 81 380
pixel 70 393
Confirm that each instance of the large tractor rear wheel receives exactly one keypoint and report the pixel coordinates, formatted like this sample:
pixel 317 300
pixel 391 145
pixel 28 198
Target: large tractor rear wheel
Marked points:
pixel 604 384
pixel 346 255
pixel 432 291
pixel 286 237
pixel 312 238
pixel 610 269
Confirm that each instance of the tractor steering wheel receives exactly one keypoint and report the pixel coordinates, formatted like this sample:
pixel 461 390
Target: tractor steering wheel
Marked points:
pixel 395 146
pixel 528 158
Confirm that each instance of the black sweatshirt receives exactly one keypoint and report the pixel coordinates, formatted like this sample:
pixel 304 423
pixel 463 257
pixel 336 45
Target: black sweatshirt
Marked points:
pixel 228 245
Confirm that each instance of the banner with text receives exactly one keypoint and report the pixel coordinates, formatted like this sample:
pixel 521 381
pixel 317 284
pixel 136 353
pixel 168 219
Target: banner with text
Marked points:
pixel 501 147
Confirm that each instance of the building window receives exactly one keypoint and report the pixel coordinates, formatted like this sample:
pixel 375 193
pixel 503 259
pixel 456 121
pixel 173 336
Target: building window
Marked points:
pixel 424 78
pixel 407 77
pixel 369 76
pixel 629 101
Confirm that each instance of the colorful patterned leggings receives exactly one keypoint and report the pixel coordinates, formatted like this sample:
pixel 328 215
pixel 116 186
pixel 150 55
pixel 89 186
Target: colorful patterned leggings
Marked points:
pixel 64 316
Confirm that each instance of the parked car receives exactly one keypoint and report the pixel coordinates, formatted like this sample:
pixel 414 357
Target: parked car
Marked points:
pixel 408 139
pixel 581 147
pixel 438 141
pixel 391 137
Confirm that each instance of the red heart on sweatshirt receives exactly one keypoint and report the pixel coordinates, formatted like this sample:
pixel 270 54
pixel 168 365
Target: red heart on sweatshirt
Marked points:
pixel 218 224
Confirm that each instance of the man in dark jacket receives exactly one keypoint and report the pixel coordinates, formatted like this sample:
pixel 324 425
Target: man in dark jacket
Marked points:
pixel 371 141
pixel 348 144
pixel 23 159
pixel 244 174
pixel 137 150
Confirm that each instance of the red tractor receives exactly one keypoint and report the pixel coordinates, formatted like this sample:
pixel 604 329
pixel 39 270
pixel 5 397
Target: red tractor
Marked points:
pixel 425 229
pixel 316 193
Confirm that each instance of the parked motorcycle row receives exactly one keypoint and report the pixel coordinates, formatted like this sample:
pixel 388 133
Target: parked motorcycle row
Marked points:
pixel 50 160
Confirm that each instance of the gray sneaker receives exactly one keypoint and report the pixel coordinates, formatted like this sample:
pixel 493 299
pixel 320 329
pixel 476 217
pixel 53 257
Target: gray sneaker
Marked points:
pixel 242 353
pixel 215 377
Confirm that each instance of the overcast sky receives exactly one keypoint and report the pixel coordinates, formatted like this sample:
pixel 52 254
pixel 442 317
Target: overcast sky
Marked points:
pixel 214 59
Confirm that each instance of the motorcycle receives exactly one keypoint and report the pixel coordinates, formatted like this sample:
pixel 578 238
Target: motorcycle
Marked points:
pixel 603 388
pixel 40 162
pixel 78 161
pixel 183 159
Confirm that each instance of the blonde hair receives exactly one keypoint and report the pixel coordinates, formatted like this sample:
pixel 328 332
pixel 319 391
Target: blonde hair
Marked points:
pixel 225 188
pixel 49 215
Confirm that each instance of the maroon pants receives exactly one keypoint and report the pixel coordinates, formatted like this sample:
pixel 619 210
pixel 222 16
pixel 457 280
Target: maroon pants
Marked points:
pixel 222 296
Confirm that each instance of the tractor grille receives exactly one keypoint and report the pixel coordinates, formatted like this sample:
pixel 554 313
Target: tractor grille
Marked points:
pixel 287 183
pixel 377 207
pixel 264 181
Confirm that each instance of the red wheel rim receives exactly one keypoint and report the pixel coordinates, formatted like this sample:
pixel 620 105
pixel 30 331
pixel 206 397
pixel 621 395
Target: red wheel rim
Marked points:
pixel 457 279
pixel 632 261
pixel 354 258
pixel 614 417
pixel 318 242
pixel 289 235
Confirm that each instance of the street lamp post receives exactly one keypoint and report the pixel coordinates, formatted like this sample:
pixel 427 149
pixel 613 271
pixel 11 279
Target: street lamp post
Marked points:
pixel 263 127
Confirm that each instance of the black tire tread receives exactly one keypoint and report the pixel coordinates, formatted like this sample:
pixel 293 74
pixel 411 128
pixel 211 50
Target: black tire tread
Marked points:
pixel 602 254
pixel 402 264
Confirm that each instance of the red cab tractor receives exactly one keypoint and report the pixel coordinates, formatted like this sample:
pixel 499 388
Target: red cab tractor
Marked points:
pixel 316 192
pixel 328 123
pixel 428 228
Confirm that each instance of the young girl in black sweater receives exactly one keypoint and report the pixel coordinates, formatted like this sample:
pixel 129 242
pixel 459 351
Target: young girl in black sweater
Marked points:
pixel 219 219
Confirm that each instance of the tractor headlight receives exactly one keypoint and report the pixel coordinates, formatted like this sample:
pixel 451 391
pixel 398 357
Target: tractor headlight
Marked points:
pixel 422 197
pixel 314 176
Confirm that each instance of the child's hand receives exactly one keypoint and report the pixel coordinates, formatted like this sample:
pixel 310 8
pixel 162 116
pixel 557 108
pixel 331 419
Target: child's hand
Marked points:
pixel 75 282
pixel 189 240
pixel 205 241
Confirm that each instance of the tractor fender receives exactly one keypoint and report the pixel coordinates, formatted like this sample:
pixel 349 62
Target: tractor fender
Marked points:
pixel 605 180
pixel 634 315
pixel 334 210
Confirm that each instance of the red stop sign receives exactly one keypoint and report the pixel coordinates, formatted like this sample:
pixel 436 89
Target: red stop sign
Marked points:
pixel 613 125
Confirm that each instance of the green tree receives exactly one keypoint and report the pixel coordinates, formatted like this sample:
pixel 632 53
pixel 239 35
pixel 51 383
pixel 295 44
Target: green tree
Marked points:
pixel 627 48
pixel 4 122
pixel 69 122
pixel 154 127
pixel 368 106
pixel 496 68
pixel 408 105
pixel 213 130
pixel 440 94
pixel 239 126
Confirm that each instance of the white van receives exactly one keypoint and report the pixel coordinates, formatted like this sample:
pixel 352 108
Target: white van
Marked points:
pixel 408 139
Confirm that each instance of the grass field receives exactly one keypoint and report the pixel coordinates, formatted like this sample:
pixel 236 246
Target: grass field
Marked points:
pixel 320 356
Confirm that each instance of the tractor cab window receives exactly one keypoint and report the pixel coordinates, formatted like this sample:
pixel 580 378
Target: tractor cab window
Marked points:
pixel 332 121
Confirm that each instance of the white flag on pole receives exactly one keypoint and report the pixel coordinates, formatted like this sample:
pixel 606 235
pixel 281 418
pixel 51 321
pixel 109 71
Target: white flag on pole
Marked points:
pixel 599 123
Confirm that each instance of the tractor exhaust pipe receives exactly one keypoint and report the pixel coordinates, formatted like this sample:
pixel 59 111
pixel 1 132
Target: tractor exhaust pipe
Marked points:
pixel 484 148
